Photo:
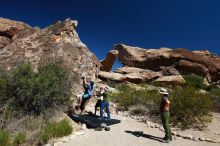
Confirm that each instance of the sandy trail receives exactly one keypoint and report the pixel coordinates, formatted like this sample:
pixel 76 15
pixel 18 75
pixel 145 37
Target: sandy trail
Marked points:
pixel 124 134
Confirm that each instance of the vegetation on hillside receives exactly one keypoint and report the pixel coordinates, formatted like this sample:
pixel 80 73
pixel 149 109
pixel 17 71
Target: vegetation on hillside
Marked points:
pixel 32 97
pixel 55 130
pixel 189 106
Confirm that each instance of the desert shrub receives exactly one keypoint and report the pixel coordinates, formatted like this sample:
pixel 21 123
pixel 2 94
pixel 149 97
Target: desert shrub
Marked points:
pixel 48 132
pixel 189 108
pixel 4 138
pixel 194 80
pixel 19 138
pixel 215 92
pixel 54 130
pixel 32 92
pixel 51 87
pixel 133 96
pixel 63 128
pixel 139 110
pixel 111 83
pixel 3 82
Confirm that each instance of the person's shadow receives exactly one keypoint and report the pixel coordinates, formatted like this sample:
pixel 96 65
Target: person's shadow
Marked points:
pixel 92 121
pixel 140 133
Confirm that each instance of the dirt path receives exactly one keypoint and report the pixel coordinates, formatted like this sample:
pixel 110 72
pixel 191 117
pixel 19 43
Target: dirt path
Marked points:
pixel 125 134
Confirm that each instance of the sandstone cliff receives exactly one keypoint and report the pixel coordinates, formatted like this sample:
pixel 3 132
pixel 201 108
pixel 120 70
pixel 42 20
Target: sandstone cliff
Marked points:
pixel 20 43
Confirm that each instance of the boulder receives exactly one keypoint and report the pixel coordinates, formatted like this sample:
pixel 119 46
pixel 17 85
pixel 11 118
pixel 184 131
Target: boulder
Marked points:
pixel 201 63
pixel 111 76
pixel 142 58
pixel 137 75
pixel 174 80
pixel 192 67
pixel 59 42
pixel 133 77
pixel 169 70
pixel 108 62
pixel 127 70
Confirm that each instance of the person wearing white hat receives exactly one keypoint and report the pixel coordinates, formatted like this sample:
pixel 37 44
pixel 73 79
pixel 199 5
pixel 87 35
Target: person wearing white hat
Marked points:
pixel 165 114
pixel 105 103
pixel 99 98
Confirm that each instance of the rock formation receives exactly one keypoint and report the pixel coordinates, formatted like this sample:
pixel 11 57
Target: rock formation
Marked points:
pixel 137 75
pixel 130 74
pixel 181 61
pixel 20 43
pixel 108 62
pixel 171 80
pixel 111 76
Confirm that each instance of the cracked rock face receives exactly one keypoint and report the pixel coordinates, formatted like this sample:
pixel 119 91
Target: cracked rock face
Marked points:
pixel 20 43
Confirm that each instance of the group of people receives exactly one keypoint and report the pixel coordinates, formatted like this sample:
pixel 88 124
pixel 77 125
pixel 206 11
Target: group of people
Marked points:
pixel 101 96
pixel 103 102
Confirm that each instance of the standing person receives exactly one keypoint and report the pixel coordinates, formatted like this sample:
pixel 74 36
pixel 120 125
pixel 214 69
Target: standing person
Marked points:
pixel 88 92
pixel 165 114
pixel 105 103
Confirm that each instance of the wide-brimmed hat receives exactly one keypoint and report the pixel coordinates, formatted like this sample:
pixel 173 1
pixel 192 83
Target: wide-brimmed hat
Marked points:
pixel 163 91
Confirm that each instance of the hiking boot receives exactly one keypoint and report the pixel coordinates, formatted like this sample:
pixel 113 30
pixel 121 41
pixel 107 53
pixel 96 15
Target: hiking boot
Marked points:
pixel 107 128
pixel 165 141
pixel 165 138
pixel 98 129
pixel 171 139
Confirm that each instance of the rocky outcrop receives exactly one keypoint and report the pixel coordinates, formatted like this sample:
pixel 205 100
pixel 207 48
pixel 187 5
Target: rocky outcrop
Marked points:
pixel 111 76
pixel 137 75
pixel 188 66
pixel 59 42
pixel 130 74
pixel 172 80
pixel 9 28
pixel 183 61
pixel 108 62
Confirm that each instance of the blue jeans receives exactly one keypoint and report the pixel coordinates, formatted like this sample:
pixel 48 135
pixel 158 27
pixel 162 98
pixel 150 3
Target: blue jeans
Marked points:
pixel 104 105
pixel 86 95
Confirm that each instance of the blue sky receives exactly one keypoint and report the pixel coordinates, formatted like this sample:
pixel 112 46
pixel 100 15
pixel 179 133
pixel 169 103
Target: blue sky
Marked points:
pixel 191 24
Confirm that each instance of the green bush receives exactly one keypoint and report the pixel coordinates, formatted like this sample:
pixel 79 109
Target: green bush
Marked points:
pixel 63 128
pixel 32 92
pixel 194 80
pixel 189 108
pixel 54 130
pixel 4 138
pixel 19 138
pixel 215 92
pixel 132 96
pixel 48 132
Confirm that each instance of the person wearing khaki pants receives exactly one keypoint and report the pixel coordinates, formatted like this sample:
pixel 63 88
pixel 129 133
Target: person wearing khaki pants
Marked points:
pixel 165 114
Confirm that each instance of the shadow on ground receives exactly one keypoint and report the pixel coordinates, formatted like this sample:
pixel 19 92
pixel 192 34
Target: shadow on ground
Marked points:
pixel 141 134
pixel 92 121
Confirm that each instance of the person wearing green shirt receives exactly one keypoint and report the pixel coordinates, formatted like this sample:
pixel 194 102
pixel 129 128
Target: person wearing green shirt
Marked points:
pixel 105 103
